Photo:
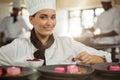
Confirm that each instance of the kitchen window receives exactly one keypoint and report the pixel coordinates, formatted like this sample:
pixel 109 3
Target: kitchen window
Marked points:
pixel 79 19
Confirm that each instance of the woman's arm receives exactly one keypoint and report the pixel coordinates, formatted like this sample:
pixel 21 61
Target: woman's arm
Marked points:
pixel 86 58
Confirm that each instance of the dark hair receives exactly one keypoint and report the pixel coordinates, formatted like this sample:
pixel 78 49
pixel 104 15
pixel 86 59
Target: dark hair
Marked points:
pixel 33 15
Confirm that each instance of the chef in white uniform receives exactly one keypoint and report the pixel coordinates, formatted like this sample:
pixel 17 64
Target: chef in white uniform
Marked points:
pixel 108 23
pixel 45 45
pixel 13 26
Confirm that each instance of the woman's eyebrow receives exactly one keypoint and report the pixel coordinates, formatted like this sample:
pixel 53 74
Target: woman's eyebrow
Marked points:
pixel 47 15
pixel 43 15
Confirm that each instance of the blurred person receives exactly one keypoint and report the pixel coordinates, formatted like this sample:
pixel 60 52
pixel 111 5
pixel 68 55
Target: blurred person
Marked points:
pixel 13 26
pixel 108 23
pixel 44 44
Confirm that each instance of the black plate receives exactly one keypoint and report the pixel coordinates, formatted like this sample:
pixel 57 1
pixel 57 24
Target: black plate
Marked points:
pixel 48 71
pixel 102 68
pixel 25 72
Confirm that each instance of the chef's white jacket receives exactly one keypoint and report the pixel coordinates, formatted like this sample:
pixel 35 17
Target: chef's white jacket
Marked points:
pixel 13 30
pixel 107 22
pixel 61 52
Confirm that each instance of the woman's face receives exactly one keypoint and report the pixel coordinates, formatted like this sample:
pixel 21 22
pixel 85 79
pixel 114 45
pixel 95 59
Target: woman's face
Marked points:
pixel 44 22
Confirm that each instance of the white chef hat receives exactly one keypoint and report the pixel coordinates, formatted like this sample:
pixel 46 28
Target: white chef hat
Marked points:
pixel 34 6
pixel 105 0
pixel 16 3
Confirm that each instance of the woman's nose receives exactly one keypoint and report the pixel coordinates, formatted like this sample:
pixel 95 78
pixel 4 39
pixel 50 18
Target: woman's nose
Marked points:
pixel 50 21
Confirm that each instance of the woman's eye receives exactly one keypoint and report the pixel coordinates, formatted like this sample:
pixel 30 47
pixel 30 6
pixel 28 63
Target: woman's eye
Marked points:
pixel 53 17
pixel 46 17
pixel 43 17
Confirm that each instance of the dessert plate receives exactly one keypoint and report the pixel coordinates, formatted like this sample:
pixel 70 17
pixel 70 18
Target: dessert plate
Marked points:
pixel 48 71
pixel 102 68
pixel 25 72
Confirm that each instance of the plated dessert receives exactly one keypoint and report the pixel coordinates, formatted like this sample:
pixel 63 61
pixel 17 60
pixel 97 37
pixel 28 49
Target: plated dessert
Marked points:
pixel 114 67
pixel 70 69
pixel 13 71
pixel 66 71
pixel 35 63
pixel 10 71
pixel 108 69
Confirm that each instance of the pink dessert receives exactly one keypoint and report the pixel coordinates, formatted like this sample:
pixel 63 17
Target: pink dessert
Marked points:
pixel 13 71
pixel 1 72
pixel 72 69
pixel 60 70
pixel 114 67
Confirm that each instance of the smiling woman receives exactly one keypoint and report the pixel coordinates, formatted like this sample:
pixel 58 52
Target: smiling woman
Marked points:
pixel 44 44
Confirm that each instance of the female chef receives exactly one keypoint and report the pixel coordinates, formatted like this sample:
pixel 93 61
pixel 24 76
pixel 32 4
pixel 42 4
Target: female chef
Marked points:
pixel 45 45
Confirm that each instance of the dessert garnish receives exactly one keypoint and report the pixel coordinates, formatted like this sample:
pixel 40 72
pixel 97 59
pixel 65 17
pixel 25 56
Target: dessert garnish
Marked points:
pixel 35 59
pixel 73 59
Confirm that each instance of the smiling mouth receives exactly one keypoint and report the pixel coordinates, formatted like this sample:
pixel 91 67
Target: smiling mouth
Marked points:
pixel 48 28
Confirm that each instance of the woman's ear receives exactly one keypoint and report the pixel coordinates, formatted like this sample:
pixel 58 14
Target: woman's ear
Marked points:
pixel 31 19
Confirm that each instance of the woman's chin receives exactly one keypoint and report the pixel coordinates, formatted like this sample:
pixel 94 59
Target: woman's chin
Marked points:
pixel 47 34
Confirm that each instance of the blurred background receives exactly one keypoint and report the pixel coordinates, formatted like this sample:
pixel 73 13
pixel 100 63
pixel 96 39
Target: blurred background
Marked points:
pixel 72 15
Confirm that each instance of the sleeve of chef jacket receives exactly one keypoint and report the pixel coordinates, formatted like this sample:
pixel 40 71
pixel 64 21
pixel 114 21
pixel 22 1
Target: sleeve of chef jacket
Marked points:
pixel 8 53
pixel 24 24
pixel 79 47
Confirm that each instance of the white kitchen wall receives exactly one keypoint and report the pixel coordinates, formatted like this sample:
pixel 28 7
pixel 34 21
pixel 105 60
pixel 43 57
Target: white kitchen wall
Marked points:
pixel 62 23
pixel 4 10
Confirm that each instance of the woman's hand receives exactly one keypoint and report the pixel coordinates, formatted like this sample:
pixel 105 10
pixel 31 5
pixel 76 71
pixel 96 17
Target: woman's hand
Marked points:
pixel 86 58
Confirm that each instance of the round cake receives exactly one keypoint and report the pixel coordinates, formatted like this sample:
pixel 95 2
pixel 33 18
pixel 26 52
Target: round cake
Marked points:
pixel 13 71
